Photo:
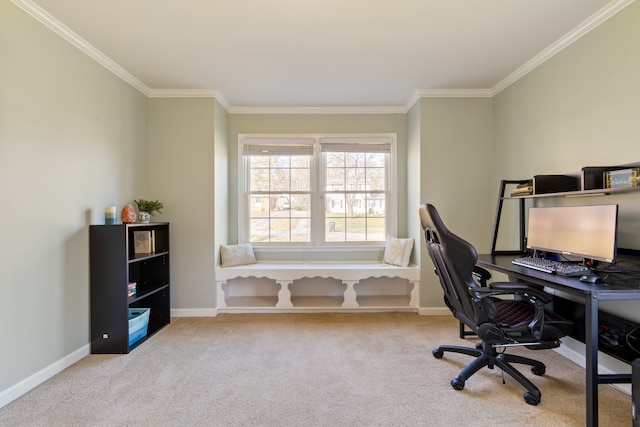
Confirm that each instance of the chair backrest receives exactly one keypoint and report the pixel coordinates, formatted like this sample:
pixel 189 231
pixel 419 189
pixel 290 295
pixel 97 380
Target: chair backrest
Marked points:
pixel 454 259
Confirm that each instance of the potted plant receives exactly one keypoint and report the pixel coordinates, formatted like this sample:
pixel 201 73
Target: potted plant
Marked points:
pixel 147 208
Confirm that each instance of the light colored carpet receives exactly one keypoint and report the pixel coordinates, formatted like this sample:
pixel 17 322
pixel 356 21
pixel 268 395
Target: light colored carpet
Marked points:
pixel 364 369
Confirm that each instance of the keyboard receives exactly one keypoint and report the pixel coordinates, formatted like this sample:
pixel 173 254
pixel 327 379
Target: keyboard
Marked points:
pixel 551 266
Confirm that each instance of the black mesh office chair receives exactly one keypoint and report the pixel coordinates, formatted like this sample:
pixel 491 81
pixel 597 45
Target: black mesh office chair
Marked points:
pixel 499 323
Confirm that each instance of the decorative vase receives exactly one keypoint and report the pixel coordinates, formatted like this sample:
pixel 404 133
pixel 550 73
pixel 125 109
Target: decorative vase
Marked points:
pixel 144 217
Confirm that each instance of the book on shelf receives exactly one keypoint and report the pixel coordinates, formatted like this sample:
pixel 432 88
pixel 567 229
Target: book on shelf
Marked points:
pixel 144 242
pixel 523 189
pixel 132 289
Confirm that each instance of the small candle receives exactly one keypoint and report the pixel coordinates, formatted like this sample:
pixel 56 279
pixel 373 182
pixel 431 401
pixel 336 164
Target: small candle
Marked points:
pixel 110 215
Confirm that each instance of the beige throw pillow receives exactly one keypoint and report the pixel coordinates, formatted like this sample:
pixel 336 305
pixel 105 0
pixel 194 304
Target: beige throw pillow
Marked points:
pixel 398 251
pixel 241 254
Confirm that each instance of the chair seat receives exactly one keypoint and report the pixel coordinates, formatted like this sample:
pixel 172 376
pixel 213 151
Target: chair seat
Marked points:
pixel 514 317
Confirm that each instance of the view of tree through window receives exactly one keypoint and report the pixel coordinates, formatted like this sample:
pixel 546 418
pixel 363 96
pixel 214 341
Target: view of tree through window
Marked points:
pixel 280 198
pixel 355 196
pixel 318 191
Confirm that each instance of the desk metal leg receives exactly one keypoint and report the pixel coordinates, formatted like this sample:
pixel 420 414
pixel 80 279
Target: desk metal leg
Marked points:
pixel 591 350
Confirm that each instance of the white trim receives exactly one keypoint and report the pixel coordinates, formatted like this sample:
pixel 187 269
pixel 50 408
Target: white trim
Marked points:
pixel 66 33
pixel 580 360
pixel 585 27
pixel 194 312
pixel 318 110
pixel 190 93
pixel 29 383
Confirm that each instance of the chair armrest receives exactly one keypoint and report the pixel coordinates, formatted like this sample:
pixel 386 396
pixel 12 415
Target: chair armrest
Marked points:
pixel 481 275
pixel 521 289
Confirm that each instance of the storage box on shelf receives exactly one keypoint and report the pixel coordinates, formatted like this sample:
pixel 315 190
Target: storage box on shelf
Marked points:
pixel 123 280
pixel 138 324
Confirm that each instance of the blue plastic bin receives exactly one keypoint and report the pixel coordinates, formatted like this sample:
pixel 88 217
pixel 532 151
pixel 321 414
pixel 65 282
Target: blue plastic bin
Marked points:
pixel 138 324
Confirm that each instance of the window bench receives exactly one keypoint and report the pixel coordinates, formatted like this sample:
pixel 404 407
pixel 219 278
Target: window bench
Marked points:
pixel 317 286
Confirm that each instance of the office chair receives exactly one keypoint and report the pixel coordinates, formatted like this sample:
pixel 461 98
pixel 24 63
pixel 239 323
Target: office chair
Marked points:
pixel 500 323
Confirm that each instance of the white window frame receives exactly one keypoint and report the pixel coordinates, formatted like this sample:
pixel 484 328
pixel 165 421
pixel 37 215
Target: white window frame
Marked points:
pixel 317 186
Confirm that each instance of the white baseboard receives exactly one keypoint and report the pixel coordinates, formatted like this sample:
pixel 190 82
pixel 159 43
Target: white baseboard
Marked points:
pixel 194 312
pixel 17 390
pixel 580 360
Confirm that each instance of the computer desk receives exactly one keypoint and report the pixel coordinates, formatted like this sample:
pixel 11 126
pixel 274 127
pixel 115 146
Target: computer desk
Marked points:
pixel 590 295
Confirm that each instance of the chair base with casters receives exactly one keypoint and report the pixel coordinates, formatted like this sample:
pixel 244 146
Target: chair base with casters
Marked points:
pixel 487 356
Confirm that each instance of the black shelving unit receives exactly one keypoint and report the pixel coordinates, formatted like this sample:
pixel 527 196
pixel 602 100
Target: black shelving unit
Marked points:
pixel 114 263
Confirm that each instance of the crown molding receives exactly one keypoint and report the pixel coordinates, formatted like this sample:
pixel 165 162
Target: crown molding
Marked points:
pixel 57 27
pixel 585 27
pixel 190 93
pixel 447 93
pixel 318 110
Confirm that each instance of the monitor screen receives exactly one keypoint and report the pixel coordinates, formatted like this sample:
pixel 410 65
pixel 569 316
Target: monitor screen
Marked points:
pixel 587 232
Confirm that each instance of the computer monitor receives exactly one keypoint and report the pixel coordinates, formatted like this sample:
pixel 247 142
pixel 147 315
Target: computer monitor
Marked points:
pixel 587 232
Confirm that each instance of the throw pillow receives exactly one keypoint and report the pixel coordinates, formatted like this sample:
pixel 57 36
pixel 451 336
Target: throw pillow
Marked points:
pixel 241 254
pixel 398 251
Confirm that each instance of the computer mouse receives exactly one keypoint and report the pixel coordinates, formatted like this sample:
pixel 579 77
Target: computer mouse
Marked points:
pixel 610 339
pixel 591 278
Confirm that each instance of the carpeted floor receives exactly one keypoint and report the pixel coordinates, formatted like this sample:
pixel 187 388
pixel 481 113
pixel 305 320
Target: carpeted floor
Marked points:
pixel 364 369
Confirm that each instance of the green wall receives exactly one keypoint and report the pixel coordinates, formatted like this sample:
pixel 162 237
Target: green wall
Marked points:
pixel 455 175
pixel 73 139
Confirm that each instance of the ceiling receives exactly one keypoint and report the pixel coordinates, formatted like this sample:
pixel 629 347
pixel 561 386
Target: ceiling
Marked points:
pixel 321 53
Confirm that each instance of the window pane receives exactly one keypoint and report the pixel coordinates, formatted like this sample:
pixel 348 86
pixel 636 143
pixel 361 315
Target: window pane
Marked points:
pixel 334 229
pixel 300 180
pixel 375 178
pixel 280 230
pixel 259 230
pixel 280 180
pixel 335 205
pixel 301 230
pixel 259 180
pixel 259 161
pixel 356 230
pixel 335 160
pixel 259 207
pixel 334 179
pixel 376 229
pixel 301 205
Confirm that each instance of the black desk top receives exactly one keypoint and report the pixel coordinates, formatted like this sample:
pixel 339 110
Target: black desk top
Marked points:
pixel 609 289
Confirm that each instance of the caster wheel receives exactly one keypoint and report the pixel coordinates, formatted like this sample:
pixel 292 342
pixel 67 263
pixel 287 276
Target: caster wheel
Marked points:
pixel 437 353
pixel 457 384
pixel 479 346
pixel 537 370
pixel 531 399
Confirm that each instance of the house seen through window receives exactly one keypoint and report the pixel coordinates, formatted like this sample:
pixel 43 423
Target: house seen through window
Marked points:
pixel 316 190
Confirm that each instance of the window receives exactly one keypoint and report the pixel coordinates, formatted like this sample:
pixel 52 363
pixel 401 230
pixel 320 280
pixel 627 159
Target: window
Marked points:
pixel 316 190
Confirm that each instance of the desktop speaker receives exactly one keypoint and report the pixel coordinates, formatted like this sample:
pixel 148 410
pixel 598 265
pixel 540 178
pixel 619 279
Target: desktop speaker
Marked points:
pixel 635 392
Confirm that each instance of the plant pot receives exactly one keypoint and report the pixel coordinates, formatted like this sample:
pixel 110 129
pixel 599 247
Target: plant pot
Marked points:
pixel 144 217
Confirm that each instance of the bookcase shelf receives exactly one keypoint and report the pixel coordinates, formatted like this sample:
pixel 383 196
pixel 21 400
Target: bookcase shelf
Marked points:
pixel 589 181
pixel 114 264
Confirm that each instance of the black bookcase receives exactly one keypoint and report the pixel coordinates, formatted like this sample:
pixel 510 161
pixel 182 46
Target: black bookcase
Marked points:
pixel 115 261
